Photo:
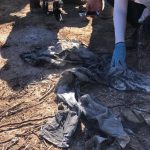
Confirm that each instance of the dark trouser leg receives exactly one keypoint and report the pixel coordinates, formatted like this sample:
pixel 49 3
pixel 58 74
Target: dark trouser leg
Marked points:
pixel 146 26
pixel 45 6
pixel 34 4
pixel 135 10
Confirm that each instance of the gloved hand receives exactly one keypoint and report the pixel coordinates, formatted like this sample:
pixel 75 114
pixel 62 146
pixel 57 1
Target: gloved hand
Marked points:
pixel 119 56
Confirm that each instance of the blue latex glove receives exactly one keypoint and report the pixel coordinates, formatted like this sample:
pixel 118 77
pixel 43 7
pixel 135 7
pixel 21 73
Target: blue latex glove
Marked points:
pixel 119 56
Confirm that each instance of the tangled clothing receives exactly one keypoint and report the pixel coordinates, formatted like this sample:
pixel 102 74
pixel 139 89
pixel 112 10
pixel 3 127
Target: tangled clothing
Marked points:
pixel 98 68
pixel 60 129
pixel 73 107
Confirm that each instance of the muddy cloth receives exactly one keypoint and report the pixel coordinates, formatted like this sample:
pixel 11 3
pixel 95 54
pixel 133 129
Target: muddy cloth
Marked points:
pixel 60 129
pixel 94 115
pixel 95 68
pixel 137 115
pixel 51 59
pixel 73 106
pixel 95 143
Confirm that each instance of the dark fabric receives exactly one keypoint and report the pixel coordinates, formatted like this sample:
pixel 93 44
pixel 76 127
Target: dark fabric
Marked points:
pixel 45 6
pixel 97 69
pixel 97 117
pixel 95 143
pixel 146 26
pixel 74 106
pixel 135 11
pixel 60 129
pixel 34 4
pixel 111 2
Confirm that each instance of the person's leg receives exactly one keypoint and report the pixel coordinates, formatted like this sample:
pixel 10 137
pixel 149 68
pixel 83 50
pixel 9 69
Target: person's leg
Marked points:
pixel 146 26
pixel 135 11
pixel 45 6
pixel 34 4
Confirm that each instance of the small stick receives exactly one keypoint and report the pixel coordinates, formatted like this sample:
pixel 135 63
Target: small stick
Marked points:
pixel 26 147
pixel 25 122
pixel 14 141
pixel 10 111
pixel 50 147
pixel 49 91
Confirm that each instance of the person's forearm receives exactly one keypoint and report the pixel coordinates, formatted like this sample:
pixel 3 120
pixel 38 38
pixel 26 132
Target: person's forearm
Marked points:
pixel 120 15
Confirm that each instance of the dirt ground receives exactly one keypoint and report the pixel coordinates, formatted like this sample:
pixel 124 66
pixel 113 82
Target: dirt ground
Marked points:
pixel 27 96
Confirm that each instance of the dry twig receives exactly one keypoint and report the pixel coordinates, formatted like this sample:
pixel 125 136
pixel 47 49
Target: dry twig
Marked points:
pixel 11 111
pixel 47 93
pixel 12 143
pixel 16 109
pixel 22 124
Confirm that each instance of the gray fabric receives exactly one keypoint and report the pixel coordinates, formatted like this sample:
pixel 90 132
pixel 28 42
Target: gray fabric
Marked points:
pixel 61 128
pixel 94 70
pixel 137 115
pixel 94 143
pixel 101 118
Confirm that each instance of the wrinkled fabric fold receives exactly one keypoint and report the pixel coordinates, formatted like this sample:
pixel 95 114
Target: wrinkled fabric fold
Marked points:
pixel 76 106
pixel 97 68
